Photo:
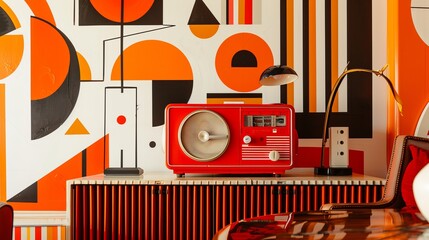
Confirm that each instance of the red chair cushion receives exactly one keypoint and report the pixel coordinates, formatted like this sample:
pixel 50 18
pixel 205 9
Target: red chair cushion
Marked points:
pixel 420 157
pixel 6 221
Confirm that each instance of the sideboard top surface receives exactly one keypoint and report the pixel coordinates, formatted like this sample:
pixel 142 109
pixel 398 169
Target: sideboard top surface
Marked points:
pixel 298 176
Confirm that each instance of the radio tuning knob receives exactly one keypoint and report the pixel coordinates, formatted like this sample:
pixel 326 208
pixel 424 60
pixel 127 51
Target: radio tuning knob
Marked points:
pixel 247 139
pixel 274 155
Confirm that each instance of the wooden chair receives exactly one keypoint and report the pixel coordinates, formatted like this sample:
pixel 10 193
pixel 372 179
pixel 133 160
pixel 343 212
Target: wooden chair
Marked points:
pixel 400 158
pixel 6 221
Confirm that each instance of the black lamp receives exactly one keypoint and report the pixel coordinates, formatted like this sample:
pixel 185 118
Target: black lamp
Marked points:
pixel 338 171
pixel 126 171
pixel 278 75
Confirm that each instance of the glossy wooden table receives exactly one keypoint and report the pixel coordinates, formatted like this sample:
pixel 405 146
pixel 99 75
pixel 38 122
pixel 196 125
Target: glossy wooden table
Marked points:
pixel 336 224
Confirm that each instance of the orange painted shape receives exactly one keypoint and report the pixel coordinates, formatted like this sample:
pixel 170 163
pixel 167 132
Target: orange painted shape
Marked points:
pixel 241 11
pixel 52 187
pixel 11 51
pixel 133 9
pixel 2 142
pixel 392 41
pixel 242 79
pixel 77 128
pixel 85 70
pixel 50 59
pixel 95 156
pixel 41 10
pixel 412 70
pixel 52 232
pixel 11 14
pixel 204 31
pixel 153 60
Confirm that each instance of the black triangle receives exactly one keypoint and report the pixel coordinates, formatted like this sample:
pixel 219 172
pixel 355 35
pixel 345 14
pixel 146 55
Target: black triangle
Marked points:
pixel 201 14
pixel 27 195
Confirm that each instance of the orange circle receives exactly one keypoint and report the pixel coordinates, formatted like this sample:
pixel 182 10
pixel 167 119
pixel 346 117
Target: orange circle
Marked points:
pixel 242 79
pixel 133 9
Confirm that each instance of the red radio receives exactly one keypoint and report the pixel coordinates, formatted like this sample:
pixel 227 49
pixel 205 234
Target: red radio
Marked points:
pixel 230 138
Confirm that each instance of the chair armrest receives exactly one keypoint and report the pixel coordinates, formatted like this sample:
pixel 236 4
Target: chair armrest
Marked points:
pixel 333 206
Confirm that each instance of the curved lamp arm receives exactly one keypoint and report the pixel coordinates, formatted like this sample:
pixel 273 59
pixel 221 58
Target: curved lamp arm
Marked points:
pixel 334 92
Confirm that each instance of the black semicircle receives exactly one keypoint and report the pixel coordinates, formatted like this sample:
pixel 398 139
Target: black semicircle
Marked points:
pixel 49 113
pixel 244 58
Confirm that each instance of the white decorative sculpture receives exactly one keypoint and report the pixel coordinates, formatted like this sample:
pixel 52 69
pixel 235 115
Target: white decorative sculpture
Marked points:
pixel 421 191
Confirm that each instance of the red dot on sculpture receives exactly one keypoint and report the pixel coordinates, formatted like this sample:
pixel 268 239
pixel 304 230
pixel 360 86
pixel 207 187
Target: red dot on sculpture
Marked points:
pixel 121 119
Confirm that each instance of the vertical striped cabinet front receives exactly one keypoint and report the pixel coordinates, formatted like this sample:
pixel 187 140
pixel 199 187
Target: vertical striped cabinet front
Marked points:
pixel 195 207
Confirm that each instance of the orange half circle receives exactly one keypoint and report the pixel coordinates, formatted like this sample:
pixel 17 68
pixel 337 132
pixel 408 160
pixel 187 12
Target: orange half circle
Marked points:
pixel 85 70
pixel 153 60
pixel 50 59
pixel 204 31
pixel 11 49
pixel 133 9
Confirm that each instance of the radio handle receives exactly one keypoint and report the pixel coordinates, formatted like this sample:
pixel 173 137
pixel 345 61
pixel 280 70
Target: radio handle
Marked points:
pixel 204 136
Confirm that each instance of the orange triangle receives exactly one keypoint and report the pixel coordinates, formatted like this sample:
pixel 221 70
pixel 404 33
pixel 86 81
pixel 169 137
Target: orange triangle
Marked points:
pixel 77 128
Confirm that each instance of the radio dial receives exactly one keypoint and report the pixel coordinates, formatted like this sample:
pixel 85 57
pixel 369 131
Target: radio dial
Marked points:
pixel 247 139
pixel 274 155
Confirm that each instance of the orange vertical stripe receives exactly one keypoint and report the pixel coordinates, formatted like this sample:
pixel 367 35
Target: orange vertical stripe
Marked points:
pixel 63 232
pixel 312 54
pixel 52 232
pixel 231 12
pixel 2 143
pixel 392 46
pixel 334 48
pixel 241 11
pixel 289 47
pixel 28 231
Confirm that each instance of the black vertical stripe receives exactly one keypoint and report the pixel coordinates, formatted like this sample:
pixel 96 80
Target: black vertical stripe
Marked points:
pixel 328 49
pixel 84 163
pixel 283 34
pixel 283 46
pixel 359 54
pixel 227 11
pixel 359 93
pixel 122 44
pixel 305 56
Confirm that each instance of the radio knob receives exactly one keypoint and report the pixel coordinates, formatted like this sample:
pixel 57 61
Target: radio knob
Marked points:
pixel 274 155
pixel 247 139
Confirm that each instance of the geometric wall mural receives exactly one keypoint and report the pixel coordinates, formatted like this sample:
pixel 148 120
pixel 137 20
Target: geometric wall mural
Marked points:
pixel 82 88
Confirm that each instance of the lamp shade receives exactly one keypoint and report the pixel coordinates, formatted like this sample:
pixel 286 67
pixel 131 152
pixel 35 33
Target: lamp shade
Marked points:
pixel 278 75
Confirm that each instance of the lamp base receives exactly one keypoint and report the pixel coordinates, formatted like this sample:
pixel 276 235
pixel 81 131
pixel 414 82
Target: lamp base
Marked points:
pixel 127 171
pixel 337 171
